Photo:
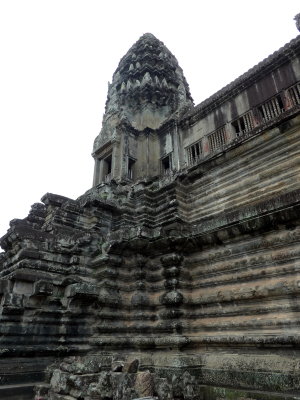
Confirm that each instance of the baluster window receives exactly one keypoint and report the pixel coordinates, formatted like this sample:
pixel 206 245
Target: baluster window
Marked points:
pixel 243 124
pixel 217 139
pixel 194 152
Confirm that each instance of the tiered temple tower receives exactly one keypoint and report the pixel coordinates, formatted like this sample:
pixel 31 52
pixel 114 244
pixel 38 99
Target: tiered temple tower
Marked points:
pixel 145 100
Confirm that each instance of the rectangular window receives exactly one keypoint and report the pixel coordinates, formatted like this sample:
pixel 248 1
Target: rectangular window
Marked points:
pixel 166 164
pixel 217 139
pixel 271 108
pixel 243 124
pixel 107 168
pixel 130 168
pixel 194 153
pixel 294 94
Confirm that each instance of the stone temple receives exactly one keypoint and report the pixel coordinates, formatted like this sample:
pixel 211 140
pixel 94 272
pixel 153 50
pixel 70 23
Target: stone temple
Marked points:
pixel 177 276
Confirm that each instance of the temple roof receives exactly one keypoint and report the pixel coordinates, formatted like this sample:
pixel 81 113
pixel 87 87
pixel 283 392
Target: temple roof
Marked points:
pixel 148 77
pixel 270 63
pixel 150 55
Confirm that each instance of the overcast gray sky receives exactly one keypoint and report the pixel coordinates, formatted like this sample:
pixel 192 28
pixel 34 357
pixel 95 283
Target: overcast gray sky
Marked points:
pixel 57 57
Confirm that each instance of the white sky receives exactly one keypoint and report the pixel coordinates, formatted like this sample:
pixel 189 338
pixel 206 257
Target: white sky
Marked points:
pixel 58 55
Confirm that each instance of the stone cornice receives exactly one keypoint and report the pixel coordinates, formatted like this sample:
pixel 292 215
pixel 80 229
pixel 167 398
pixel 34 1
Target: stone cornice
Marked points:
pixel 184 237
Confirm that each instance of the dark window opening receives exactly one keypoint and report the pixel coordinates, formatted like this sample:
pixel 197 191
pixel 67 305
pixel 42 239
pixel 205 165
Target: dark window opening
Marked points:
pixel 236 127
pixel 166 164
pixel 107 168
pixel 261 111
pixel 243 124
pixel 280 102
pixel 195 151
pixel 130 168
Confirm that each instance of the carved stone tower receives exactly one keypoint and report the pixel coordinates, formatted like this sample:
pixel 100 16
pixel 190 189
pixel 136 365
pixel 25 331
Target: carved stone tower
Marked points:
pixel 145 99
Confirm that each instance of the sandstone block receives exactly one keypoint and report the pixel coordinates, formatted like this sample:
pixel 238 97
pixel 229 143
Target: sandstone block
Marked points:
pixel 144 384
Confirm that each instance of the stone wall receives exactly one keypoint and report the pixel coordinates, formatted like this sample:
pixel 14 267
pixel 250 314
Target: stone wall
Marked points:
pixel 192 272
pixel 191 275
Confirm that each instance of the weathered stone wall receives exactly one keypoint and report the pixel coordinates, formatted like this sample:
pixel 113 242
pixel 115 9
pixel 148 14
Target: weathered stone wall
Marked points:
pixel 258 170
pixel 193 273
pixel 129 268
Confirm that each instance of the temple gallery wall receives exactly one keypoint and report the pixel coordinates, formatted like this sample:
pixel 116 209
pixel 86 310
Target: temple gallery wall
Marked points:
pixel 177 275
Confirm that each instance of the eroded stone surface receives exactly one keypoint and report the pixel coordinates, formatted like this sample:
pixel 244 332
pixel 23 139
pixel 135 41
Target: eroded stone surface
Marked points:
pixel 181 278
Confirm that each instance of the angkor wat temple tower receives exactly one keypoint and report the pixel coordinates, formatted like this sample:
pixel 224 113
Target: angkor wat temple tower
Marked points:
pixel 147 97
pixel 177 276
